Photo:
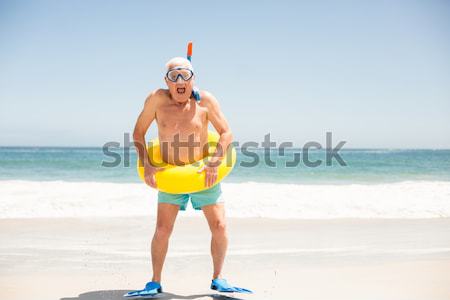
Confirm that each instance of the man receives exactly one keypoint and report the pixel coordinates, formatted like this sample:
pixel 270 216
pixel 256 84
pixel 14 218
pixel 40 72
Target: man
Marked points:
pixel 182 120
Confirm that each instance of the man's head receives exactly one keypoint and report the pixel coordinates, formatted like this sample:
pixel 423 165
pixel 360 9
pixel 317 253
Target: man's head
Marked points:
pixel 179 78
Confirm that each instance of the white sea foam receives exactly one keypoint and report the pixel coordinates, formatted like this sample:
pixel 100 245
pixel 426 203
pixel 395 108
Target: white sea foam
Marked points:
pixel 412 199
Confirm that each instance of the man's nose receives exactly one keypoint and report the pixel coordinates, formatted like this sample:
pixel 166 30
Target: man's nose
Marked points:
pixel 179 79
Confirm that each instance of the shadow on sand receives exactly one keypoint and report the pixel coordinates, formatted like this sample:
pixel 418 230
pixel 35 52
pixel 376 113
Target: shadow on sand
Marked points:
pixel 118 295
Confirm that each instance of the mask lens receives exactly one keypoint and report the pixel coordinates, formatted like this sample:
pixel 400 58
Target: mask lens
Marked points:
pixel 185 74
pixel 172 75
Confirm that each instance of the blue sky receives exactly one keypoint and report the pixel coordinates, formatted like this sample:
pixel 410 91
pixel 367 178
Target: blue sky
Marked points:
pixel 375 73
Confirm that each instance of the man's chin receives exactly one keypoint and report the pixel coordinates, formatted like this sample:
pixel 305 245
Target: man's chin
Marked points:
pixel 180 98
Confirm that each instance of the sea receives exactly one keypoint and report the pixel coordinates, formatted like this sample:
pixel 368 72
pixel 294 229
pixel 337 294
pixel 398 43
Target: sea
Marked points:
pixel 52 182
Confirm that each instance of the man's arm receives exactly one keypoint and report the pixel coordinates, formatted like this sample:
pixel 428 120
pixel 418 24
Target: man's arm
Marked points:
pixel 218 120
pixel 143 122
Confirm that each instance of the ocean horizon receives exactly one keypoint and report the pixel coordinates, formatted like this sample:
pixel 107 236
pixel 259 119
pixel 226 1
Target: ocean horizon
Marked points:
pixel 361 165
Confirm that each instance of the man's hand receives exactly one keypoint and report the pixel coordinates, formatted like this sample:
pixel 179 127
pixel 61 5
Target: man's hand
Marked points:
pixel 149 175
pixel 211 170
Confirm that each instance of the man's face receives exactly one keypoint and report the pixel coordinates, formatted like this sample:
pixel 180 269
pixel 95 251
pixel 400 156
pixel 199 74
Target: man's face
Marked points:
pixel 180 81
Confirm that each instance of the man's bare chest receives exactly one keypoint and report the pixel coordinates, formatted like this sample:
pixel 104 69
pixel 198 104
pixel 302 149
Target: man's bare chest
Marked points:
pixel 173 119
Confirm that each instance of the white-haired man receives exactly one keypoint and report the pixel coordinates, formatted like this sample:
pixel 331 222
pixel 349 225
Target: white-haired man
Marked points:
pixel 183 120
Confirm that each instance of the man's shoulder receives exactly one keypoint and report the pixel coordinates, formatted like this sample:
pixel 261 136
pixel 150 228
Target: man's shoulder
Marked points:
pixel 207 98
pixel 159 93
pixel 155 96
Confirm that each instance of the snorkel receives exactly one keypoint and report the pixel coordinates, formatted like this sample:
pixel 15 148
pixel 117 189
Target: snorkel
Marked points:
pixel 195 90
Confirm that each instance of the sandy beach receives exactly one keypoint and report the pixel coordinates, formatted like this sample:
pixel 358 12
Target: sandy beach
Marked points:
pixel 102 258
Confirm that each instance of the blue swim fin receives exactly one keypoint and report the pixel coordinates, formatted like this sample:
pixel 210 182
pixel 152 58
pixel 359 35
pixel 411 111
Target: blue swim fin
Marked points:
pixel 221 285
pixel 151 289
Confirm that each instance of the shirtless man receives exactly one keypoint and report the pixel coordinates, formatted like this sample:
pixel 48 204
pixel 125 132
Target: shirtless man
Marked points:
pixel 183 120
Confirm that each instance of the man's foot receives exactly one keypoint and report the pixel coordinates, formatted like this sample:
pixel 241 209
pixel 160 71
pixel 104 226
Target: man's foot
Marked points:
pixel 221 285
pixel 152 288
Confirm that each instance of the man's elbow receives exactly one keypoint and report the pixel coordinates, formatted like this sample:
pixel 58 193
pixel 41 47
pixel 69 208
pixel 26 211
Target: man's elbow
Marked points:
pixel 229 136
pixel 137 135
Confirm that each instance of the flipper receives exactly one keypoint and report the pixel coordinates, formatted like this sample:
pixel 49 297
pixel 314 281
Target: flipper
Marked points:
pixel 151 289
pixel 221 285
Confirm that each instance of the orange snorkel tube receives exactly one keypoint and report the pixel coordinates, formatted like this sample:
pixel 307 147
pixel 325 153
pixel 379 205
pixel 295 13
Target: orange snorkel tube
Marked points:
pixel 189 51
pixel 195 90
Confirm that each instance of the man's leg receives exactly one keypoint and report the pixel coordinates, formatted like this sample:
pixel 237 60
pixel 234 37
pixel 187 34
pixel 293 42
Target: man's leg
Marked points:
pixel 165 220
pixel 215 215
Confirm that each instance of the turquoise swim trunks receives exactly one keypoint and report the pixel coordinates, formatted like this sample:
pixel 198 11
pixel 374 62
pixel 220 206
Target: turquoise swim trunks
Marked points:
pixel 198 199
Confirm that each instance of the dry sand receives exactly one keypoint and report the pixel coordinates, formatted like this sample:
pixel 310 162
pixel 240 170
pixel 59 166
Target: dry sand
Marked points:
pixel 102 258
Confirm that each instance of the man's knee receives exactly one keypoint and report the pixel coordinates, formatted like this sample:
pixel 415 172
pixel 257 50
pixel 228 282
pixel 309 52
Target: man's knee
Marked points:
pixel 163 231
pixel 219 228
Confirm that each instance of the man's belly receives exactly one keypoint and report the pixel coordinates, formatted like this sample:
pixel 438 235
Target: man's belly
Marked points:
pixel 183 148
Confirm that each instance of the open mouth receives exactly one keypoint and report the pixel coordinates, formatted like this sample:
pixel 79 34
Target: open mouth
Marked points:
pixel 181 90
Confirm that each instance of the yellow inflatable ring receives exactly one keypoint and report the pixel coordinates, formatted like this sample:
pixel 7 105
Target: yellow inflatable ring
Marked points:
pixel 185 179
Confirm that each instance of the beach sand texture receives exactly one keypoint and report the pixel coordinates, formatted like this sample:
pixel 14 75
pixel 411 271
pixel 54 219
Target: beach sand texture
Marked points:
pixel 102 258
